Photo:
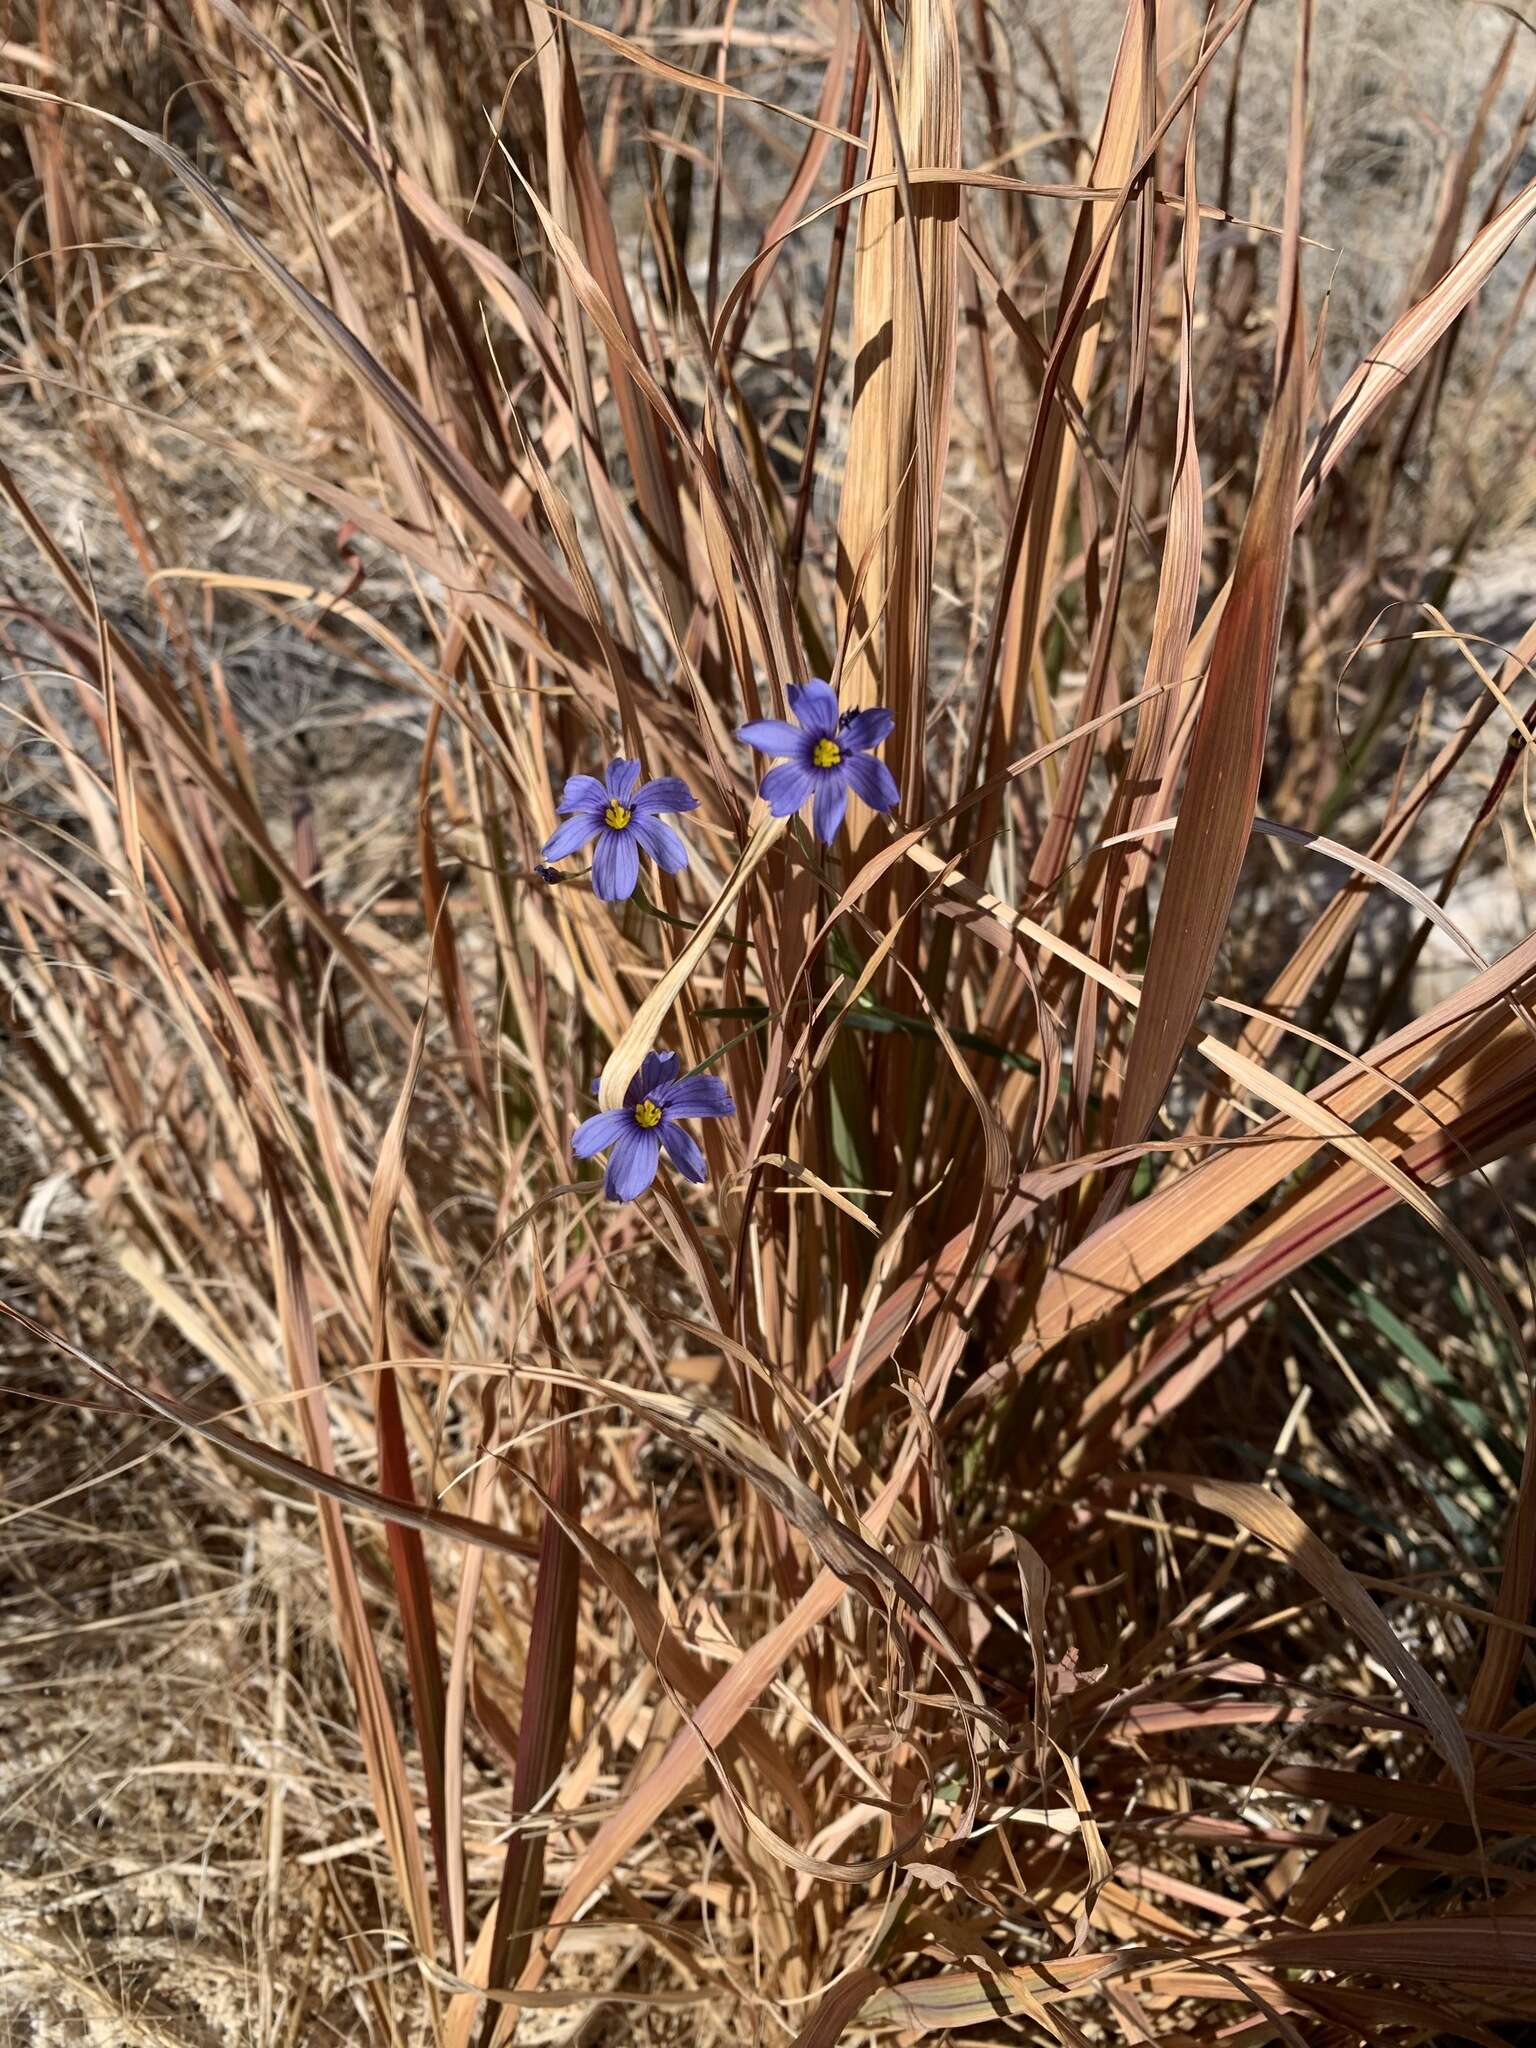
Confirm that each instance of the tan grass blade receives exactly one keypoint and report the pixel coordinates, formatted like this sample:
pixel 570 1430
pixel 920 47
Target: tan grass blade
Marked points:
pixel 456 1694
pixel 692 81
pixel 1335 923
pixel 841 1548
pixel 1406 343
pixel 906 306
pixel 970 1998
pixel 575 179
pixel 1120 139
pixel 644 1027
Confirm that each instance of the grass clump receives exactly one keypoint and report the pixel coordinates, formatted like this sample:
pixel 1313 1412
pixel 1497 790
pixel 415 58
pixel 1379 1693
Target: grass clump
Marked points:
pixel 1019 1521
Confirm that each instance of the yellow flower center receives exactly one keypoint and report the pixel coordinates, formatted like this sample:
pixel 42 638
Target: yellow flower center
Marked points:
pixel 826 753
pixel 617 815
pixel 648 1113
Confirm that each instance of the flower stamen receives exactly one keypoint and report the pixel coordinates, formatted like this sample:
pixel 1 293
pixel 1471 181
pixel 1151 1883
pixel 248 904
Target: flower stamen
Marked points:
pixel 616 816
pixel 647 1113
pixel 826 754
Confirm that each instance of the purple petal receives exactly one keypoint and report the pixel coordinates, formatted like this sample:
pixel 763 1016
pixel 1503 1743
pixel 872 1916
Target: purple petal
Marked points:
pixel 831 802
pixel 683 1152
pixel 868 728
pixel 572 836
pixel 666 793
pixel 871 780
pixel 615 866
pixel 772 736
pixel 786 788
pixel 656 1070
pixel 582 793
pixel 621 779
pixel 632 1163
pixel 601 1131
pixel 815 705
pixel 698 1095
pixel 661 843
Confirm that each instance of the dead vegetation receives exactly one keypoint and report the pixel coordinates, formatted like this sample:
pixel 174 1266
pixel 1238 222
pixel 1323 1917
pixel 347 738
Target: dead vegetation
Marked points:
pixel 1043 1543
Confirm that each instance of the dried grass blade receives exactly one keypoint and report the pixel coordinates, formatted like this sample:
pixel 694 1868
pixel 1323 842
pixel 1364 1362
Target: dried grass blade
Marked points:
pixel 836 2010
pixel 972 1998
pixel 438 916
pixel 376 1728
pixel 457 1693
pixel 694 81
pixel 438 456
pixel 1487 1953
pixel 575 176
pixel 1216 811
pixel 732 1696
pixel 906 307
pixel 1406 343
pixel 407 1552
pixel 1262 1515
pixel 543 1729
pixel 319 1478
pixel 623 1062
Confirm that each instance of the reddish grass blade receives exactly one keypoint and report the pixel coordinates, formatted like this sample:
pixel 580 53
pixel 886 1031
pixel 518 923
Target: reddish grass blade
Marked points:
pixel 837 2010
pixel 543 1730
pixel 1216 810
pixel 407 1552
pixel 1481 1952
pixel 381 1748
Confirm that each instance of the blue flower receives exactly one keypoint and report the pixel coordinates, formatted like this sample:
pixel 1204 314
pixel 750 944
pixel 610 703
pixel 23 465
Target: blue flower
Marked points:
pixel 623 814
pixel 653 1102
pixel 824 757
